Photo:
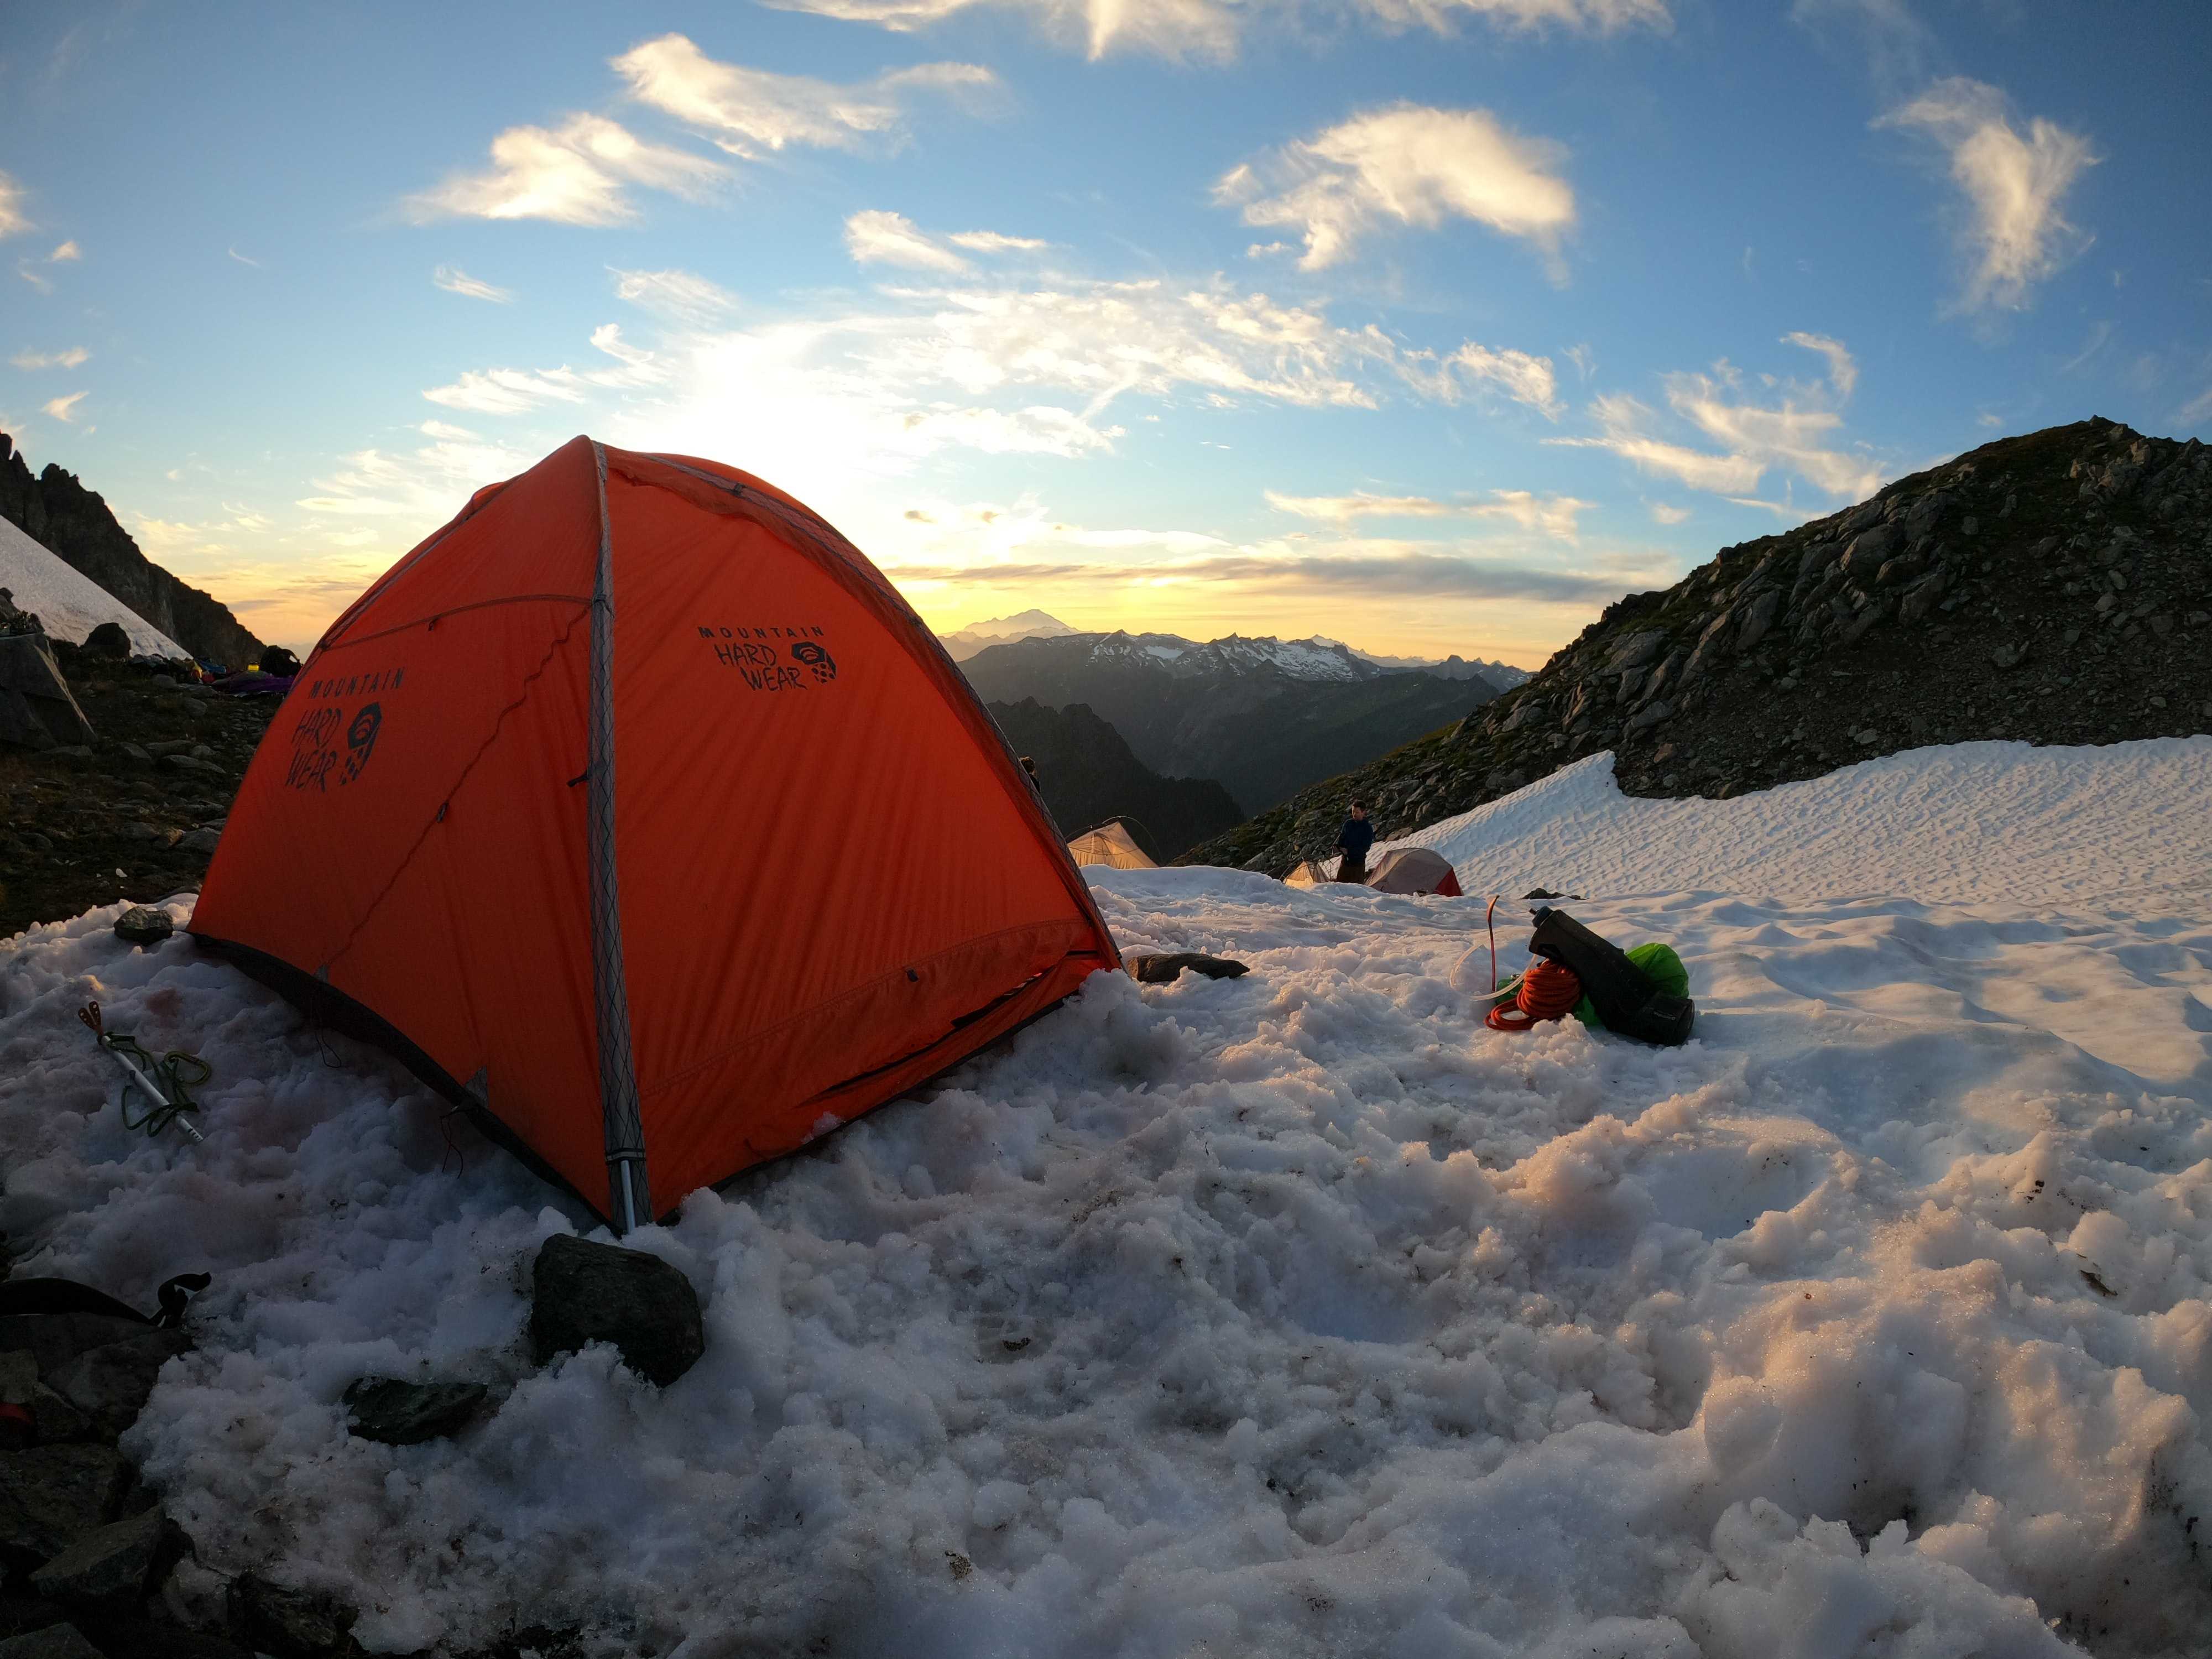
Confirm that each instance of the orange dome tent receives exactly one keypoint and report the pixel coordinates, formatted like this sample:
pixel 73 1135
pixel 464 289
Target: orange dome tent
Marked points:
pixel 637 812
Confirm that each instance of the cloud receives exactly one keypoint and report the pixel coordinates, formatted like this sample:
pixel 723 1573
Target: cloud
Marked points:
pixel 2197 408
pixel 1524 379
pixel 575 174
pixel 677 296
pixel 75 357
pixel 990 241
pixel 67 253
pixel 1843 372
pixel 892 238
pixel 1410 165
pixel 2014 234
pixel 1213 29
pixel 751 112
pixel 1793 437
pixel 242 258
pixel 13 220
pixel 508 390
pixel 1549 515
pixel 1664 513
pixel 1897 45
pixel 64 409
pixel 456 281
pixel 425 485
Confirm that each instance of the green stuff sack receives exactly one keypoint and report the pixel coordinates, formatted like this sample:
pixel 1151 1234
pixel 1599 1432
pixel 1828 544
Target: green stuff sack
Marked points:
pixel 1659 965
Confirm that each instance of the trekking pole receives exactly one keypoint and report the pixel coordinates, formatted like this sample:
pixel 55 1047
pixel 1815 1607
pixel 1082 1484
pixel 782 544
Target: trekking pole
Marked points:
pixel 164 1082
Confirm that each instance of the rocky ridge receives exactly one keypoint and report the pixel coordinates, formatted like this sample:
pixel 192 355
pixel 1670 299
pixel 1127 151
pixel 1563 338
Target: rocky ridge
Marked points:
pixel 56 510
pixel 2055 588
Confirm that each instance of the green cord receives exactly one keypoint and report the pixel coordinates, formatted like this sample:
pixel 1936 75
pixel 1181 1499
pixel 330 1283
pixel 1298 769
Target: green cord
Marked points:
pixel 176 1071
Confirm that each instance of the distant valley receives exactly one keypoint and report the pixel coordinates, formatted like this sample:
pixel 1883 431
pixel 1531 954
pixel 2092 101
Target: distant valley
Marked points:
pixel 1263 717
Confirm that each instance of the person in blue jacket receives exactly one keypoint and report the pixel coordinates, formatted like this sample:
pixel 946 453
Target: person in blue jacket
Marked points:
pixel 1353 840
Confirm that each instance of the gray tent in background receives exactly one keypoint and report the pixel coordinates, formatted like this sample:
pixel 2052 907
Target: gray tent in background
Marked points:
pixel 1414 870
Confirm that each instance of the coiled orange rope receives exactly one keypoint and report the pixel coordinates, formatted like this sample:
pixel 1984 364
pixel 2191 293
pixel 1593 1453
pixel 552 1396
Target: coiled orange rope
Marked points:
pixel 1547 991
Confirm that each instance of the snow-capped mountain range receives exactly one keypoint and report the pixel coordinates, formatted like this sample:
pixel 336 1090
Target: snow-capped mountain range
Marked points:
pixel 1317 658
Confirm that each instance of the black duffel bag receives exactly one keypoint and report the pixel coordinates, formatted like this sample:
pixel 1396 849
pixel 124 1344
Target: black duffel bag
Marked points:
pixel 1625 998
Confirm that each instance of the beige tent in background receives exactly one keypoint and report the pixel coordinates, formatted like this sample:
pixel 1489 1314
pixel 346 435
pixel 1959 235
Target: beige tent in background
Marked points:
pixel 1308 874
pixel 1110 844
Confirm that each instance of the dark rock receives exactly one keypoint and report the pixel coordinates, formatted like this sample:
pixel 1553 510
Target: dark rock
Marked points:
pixel 110 1384
pixel 141 926
pixel 55 1339
pixel 204 842
pixel 51 1496
pixel 2009 656
pixel 55 1642
pixel 108 641
pixel 276 660
pixel 582 1292
pixel 291 1624
pixel 37 709
pixel 1758 617
pixel 1164 967
pixel 118 1562
pixel 395 1412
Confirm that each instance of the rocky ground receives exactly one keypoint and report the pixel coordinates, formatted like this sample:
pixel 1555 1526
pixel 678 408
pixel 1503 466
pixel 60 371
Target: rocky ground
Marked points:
pixel 134 815
pixel 2055 588
pixel 94 1568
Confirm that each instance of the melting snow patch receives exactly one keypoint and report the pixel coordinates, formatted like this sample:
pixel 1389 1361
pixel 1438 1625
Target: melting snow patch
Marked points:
pixel 1295 1314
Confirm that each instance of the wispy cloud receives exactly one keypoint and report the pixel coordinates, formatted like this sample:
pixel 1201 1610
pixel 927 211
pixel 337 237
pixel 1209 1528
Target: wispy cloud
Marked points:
pixel 1665 513
pixel 75 357
pixel 1794 435
pixel 14 220
pixel 1213 29
pixel 576 173
pixel 1552 516
pixel 68 254
pixel 876 237
pixel 242 258
pixel 456 281
pixel 2013 234
pixel 1412 165
pixel 1896 45
pixel 679 296
pixel 65 409
pixel 892 238
pixel 422 485
pixel 751 112
pixel 1843 372
pixel 508 390
pixel 2197 408
pixel 1474 368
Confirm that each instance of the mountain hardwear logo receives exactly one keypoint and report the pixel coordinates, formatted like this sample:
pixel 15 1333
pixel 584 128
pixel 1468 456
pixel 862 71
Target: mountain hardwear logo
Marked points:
pixel 811 654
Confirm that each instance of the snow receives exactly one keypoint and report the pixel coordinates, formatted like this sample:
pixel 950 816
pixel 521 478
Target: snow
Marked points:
pixel 1296 1314
pixel 68 603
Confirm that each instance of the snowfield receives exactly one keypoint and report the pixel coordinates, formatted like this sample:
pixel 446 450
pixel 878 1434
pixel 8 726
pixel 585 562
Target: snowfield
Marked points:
pixel 1297 1314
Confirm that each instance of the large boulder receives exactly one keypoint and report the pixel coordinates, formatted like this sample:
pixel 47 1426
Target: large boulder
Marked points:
pixel 51 1496
pixel 116 1563
pixel 291 1624
pixel 110 1384
pixel 396 1413
pixel 582 1292
pixel 37 710
pixel 54 1642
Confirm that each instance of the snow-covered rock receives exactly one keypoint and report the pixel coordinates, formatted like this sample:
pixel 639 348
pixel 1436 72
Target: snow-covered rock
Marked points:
pixel 71 606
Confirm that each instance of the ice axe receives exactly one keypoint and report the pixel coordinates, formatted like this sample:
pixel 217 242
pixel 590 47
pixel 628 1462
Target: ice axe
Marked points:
pixel 166 1083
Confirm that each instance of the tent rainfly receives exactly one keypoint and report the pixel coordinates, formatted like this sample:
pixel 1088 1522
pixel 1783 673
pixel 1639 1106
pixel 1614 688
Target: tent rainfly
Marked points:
pixel 1414 870
pixel 1110 844
pixel 642 816
pixel 1308 874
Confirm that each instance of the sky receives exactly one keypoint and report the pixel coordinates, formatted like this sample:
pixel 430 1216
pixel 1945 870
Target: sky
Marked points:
pixel 1432 325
